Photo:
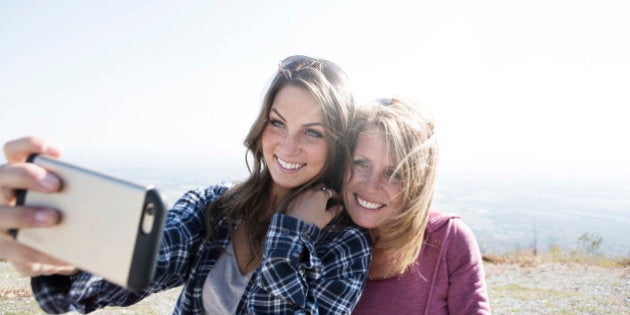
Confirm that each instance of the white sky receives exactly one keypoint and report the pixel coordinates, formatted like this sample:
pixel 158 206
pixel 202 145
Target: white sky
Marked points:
pixel 519 86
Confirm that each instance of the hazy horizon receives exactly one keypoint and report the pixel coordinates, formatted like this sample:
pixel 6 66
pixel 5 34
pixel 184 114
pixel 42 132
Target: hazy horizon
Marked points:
pixel 505 212
pixel 530 98
pixel 515 87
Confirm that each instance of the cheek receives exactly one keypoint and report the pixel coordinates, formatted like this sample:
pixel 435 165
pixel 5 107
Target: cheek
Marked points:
pixel 266 133
pixel 266 139
pixel 347 176
pixel 345 187
pixel 397 199
pixel 318 154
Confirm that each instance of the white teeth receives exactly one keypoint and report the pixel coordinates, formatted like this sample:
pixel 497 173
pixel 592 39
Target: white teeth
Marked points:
pixel 289 166
pixel 367 204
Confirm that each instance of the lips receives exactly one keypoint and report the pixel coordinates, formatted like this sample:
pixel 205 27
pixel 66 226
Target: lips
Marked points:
pixel 288 165
pixel 367 204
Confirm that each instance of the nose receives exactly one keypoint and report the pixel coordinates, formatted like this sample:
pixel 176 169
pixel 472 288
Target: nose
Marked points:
pixel 372 181
pixel 290 144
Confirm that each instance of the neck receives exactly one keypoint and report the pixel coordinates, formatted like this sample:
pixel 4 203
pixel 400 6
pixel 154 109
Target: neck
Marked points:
pixel 382 262
pixel 276 194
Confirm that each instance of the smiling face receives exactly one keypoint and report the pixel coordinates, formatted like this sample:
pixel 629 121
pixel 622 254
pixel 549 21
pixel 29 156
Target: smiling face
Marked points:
pixel 372 195
pixel 293 141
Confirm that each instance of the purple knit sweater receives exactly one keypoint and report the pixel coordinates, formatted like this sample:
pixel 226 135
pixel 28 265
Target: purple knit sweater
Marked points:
pixel 448 278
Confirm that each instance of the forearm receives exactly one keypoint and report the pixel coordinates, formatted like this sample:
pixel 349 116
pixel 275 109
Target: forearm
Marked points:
pixel 287 256
pixel 82 292
pixel 85 292
pixel 308 276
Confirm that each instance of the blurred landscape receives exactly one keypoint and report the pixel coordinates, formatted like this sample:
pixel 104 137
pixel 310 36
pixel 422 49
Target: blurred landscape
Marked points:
pixel 507 212
pixel 507 215
pixel 550 246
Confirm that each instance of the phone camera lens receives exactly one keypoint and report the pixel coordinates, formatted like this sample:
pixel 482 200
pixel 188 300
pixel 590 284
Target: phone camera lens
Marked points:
pixel 148 217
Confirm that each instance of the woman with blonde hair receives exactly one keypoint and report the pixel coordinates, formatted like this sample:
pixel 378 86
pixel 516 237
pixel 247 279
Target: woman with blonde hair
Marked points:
pixel 423 262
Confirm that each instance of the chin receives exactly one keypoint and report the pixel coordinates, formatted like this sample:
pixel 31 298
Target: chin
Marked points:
pixel 363 222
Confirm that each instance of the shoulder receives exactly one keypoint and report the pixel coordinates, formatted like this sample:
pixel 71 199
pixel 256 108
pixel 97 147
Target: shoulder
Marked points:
pixel 194 202
pixel 453 229
pixel 186 220
pixel 454 233
pixel 208 193
pixel 202 196
pixel 439 220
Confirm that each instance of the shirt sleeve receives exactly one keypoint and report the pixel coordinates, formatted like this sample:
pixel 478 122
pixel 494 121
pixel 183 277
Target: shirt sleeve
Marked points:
pixel 467 293
pixel 183 233
pixel 305 270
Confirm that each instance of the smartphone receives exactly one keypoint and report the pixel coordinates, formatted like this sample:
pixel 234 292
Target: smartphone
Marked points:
pixel 109 227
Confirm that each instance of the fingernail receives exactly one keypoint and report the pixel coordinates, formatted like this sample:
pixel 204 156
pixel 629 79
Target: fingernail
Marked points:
pixel 46 217
pixel 50 182
pixel 51 150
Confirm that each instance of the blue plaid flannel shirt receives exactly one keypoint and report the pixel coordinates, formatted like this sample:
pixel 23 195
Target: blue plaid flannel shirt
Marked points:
pixel 304 269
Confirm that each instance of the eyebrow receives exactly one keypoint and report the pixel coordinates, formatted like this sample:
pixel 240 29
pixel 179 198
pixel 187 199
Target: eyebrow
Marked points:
pixel 366 158
pixel 305 125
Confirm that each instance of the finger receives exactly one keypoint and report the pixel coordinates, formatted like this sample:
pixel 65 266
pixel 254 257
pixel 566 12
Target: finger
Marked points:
pixel 8 195
pixel 27 217
pixel 335 210
pixel 67 270
pixel 19 149
pixel 27 176
pixel 331 194
pixel 39 269
pixel 327 192
pixel 28 260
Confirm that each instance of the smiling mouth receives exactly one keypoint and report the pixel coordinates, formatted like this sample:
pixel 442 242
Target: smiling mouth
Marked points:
pixel 289 166
pixel 368 205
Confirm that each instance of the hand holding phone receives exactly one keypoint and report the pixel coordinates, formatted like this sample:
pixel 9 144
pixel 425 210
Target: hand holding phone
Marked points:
pixel 109 226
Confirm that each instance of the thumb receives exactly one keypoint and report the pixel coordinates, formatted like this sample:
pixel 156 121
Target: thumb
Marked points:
pixel 335 210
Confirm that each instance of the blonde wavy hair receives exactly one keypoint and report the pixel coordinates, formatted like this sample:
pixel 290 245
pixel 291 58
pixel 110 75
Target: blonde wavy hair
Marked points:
pixel 410 132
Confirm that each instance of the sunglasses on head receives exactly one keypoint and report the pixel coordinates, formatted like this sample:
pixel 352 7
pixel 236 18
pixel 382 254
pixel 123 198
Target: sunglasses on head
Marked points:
pixel 387 101
pixel 299 62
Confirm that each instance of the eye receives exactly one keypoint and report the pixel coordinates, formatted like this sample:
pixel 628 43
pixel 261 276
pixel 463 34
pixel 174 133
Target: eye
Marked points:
pixel 313 133
pixel 392 176
pixel 360 163
pixel 276 123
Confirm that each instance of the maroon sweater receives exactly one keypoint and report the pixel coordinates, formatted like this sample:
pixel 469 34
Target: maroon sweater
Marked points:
pixel 447 279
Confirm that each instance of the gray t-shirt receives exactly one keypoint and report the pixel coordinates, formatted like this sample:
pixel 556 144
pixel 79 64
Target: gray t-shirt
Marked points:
pixel 224 286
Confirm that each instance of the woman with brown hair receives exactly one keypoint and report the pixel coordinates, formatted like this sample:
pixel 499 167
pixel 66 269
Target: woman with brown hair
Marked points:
pixel 246 248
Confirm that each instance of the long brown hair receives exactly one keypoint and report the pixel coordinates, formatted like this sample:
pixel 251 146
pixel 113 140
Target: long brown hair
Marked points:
pixel 249 200
pixel 410 132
